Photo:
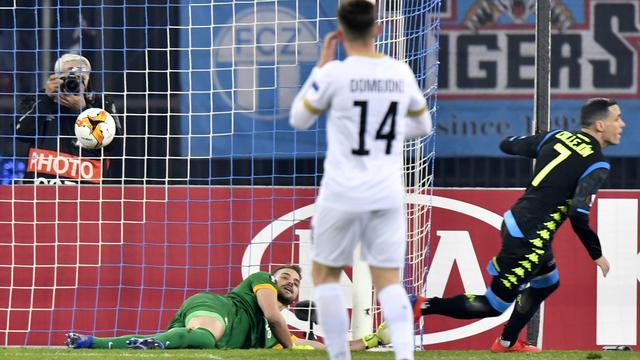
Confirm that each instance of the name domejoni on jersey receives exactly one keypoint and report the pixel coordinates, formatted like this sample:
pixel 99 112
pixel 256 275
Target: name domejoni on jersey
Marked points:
pixel 376 85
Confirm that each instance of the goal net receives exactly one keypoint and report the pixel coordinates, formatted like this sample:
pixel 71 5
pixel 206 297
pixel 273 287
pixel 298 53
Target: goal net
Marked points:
pixel 209 182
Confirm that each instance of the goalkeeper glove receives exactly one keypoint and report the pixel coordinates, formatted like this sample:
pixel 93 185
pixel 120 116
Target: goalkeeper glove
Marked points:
pixel 370 341
pixel 384 338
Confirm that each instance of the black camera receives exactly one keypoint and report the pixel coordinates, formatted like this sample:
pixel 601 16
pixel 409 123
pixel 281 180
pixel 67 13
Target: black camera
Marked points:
pixel 71 83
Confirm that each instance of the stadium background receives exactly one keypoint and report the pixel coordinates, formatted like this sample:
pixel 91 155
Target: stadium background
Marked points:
pixel 490 99
pixel 484 93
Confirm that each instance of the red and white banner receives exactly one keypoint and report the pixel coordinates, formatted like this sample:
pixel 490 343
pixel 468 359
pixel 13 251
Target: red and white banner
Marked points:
pixel 96 259
pixel 64 165
pixel 587 311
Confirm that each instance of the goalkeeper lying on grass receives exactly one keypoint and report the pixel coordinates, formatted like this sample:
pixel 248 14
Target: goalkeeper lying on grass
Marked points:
pixel 247 317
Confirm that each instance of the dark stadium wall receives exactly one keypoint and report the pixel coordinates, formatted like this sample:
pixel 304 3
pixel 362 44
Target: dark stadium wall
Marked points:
pixel 122 43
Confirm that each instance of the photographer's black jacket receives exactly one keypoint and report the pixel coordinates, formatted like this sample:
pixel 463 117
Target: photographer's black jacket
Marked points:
pixel 55 157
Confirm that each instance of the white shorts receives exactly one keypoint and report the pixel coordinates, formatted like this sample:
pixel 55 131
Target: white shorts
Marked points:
pixel 336 232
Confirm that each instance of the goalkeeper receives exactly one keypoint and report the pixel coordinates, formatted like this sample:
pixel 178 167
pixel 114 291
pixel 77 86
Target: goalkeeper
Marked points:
pixel 237 320
pixel 247 317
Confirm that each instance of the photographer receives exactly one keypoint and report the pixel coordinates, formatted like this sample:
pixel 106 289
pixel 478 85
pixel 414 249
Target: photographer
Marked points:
pixel 46 122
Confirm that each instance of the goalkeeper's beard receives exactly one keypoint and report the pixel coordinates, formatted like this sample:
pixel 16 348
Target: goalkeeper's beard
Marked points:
pixel 284 299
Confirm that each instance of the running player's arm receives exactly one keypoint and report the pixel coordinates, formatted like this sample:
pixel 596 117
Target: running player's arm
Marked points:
pixel 313 99
pixel 418 117
pixel 588 186
pixel 527 146
pixel 268 302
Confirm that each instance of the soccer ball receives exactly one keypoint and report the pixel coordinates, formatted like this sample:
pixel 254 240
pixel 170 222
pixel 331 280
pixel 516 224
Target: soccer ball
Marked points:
pixel 95 128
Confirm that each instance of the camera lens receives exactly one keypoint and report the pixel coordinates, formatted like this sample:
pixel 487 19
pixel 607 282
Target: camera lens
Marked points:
pixel 72 84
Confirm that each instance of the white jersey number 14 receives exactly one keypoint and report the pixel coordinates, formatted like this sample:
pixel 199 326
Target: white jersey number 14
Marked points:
pixel 389 136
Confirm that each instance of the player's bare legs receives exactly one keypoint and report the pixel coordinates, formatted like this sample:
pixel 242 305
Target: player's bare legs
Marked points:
pixel 215 327
pixel 397 311
pixel 332 313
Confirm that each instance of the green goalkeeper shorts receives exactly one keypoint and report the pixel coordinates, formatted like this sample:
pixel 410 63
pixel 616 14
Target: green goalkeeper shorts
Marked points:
pixel 236 325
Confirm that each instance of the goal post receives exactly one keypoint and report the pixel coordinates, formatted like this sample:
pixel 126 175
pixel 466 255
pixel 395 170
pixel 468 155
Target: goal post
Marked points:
pixel 541 118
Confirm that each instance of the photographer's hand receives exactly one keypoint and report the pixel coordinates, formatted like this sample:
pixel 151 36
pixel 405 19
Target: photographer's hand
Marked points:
pixel 75 102
pixel 52 87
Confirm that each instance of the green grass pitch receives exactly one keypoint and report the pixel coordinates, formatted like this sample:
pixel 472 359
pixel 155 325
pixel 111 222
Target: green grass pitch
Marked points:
pixel 67 354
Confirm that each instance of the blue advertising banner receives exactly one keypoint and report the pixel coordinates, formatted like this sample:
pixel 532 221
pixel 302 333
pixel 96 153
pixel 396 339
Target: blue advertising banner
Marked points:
pixel 475 128
pixel 486 73
pixel 246 60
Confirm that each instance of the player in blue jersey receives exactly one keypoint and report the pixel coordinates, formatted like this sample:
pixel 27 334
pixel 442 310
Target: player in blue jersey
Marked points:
pixel 569 170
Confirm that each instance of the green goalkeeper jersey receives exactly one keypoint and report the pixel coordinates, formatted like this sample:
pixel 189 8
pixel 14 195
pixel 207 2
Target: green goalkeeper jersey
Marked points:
pixel 244 297
pixel 238 310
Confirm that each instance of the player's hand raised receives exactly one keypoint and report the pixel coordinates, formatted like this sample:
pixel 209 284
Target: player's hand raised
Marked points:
pixel 603 264
pixel 328 52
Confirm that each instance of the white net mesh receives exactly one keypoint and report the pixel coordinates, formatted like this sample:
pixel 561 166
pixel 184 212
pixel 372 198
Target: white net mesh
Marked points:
pixel 205 183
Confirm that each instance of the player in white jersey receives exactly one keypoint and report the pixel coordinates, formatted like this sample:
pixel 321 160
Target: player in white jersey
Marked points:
pixel 373 104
